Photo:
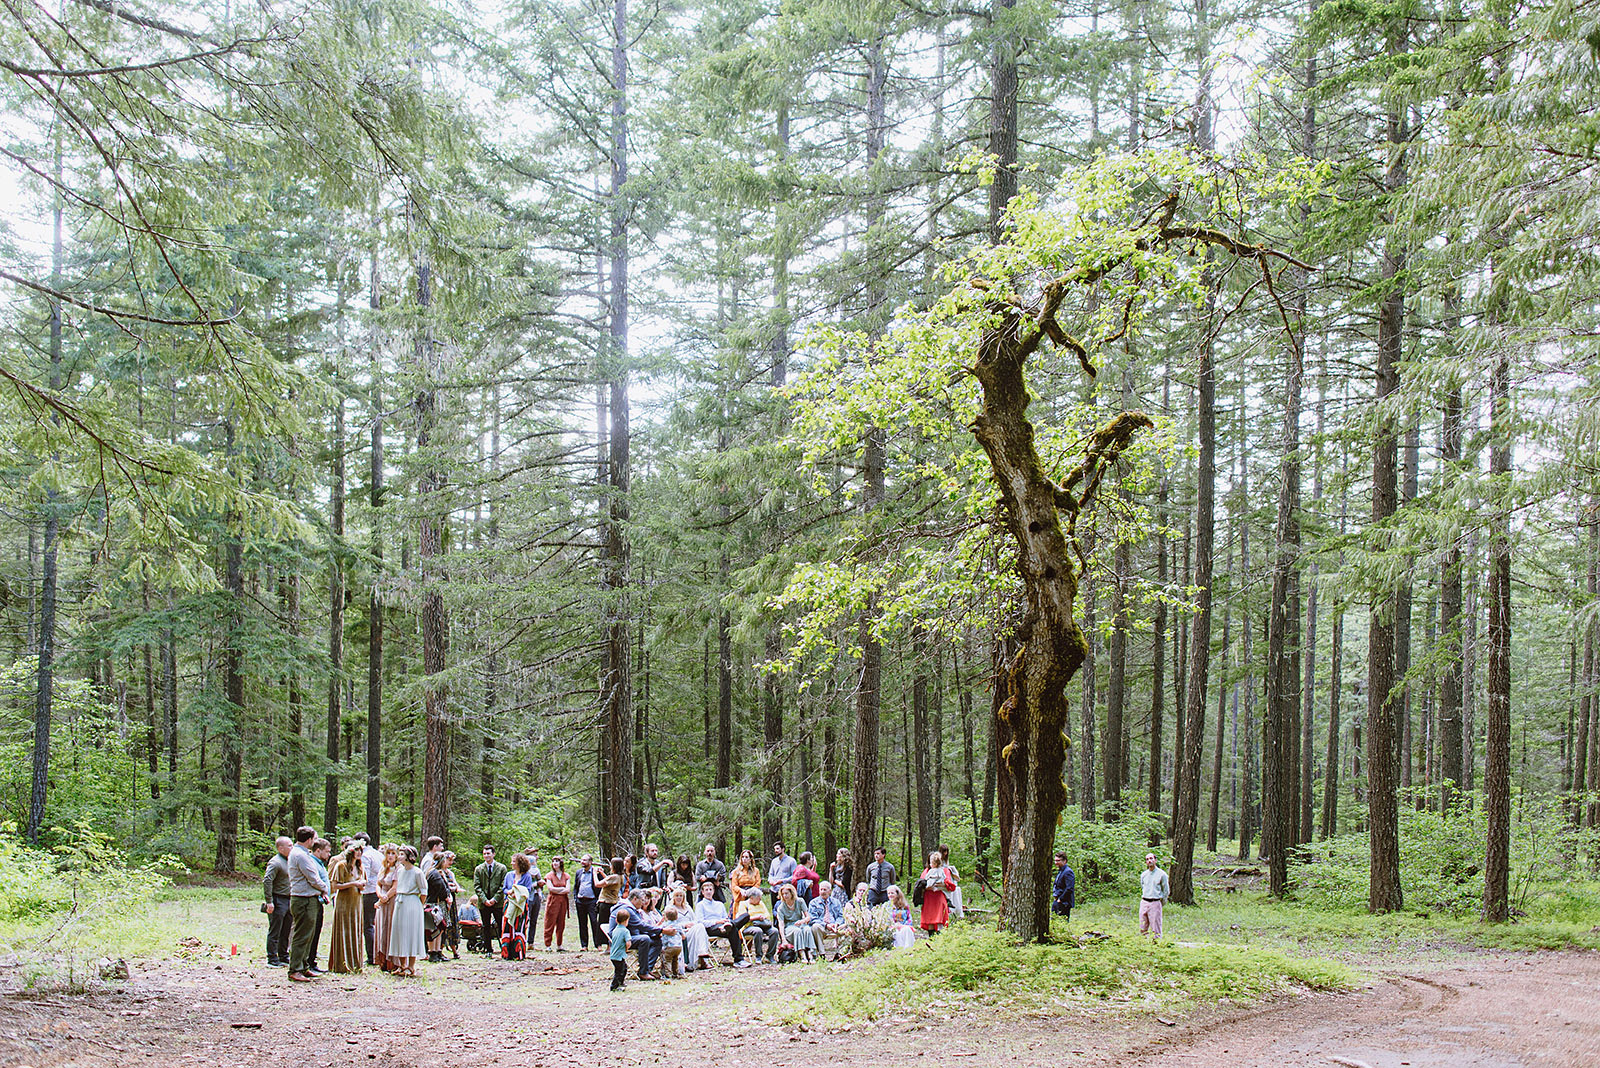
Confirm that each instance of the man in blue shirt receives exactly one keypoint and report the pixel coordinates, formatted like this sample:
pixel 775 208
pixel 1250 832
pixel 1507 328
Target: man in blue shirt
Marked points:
pixel 1062 893
pixel 713 915
pixel 644 937
pixel 781 871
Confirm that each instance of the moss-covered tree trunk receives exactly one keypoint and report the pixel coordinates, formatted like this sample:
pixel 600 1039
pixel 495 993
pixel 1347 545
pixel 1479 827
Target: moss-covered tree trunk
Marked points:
pixel 1034 715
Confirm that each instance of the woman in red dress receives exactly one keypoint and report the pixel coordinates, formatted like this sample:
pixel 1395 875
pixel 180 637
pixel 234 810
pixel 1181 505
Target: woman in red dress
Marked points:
pixel 937 881
pixel 555 909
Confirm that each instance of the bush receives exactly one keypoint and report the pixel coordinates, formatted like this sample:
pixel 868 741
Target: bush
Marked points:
pixel 969 966
pixel 63 906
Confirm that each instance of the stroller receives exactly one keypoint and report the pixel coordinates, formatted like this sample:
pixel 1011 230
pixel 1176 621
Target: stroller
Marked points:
pixel 514 925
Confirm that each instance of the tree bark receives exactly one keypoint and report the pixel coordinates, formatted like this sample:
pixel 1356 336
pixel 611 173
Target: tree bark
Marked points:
pixel 1383 695
pixel 374 597
pixel 1450 652
pixel 1497 742
pixel 233 692
pixel 435 620
pixel 921 739
pixel 617 684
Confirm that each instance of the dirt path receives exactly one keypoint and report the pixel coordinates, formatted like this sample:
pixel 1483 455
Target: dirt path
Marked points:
pixel 1491 1012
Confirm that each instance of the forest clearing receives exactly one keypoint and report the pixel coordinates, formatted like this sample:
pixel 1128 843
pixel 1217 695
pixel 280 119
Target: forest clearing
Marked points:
pixel 1098 466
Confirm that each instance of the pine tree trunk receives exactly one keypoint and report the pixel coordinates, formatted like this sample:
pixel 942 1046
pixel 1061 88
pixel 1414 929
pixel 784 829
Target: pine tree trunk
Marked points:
pixel 617 683
pixel 1384 696
pixel 919 742
pixel 1450 652
pixel 430 551
pixel 335 597
pixel 233 694
pixel 1088 709
pixel 1497 742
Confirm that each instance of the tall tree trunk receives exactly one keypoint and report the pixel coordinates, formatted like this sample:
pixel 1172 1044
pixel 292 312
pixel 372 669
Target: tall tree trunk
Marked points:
pixel 1088 706
pixel 1224 654
pixel 864 796
pixel 431 520
pixel 233 691
pixel 1403 603
pixel 1194 710
pixel 45 678
pixel 1497 742
pixel 1383 695
pixel 335 600
pixel 617 685
pixel 1158 643
pixel 1002 116
pixel 374 593
pixel 921 739
pixel 1450 653
pixel 1283 640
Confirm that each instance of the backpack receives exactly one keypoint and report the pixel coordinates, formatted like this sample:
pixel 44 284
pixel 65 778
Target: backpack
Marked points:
pixel 917 892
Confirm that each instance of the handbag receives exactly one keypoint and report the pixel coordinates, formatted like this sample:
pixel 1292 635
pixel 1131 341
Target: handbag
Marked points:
pixel 433 917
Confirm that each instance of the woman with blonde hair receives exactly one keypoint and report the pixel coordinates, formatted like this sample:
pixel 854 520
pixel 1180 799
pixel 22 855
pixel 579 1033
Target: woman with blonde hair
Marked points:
pixel 696 943
pixel 794 924
pixel 383 921
pixel 900 919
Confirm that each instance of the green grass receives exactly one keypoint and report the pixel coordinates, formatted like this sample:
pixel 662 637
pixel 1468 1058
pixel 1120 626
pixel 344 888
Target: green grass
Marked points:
pixel 972 967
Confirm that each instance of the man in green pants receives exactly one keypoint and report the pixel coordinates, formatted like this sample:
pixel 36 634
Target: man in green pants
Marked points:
pixel 307 892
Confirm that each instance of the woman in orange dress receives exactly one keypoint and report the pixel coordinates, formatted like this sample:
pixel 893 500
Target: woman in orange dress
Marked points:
pixel 555 906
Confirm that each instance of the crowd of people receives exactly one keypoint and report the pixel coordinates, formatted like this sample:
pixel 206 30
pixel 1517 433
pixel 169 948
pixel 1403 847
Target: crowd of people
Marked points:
pixel 392 906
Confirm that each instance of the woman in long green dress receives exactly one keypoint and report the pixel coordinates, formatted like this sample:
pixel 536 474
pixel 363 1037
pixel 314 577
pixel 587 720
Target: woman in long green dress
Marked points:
pixel 406 939
pixel 345 951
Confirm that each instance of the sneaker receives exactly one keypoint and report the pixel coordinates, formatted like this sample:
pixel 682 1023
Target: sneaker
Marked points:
pixel 741 964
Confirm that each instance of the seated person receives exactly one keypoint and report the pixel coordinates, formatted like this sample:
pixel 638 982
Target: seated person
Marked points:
pixel 471 924
pixel 806 877
pixel 713 916
pixel 903 933
pixel 826 914
pixel 644 937
pixel 757 918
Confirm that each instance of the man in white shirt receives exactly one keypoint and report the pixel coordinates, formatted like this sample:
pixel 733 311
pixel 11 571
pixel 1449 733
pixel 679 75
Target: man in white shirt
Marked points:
pixel 371 867
pixel 1153 891
pixel 713 916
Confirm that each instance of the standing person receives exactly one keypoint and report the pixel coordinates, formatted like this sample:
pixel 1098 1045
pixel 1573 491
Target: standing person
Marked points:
pixel 956 908
pixel 619 947
pixel 307 889
pixel 372 867
pixel 385 918
pixel 780 872
pixel 713 916
pixel 937 882
pixel 806 877
pixel 516 890
pixel 1153 890
pixel 744 877
pixel 452 931
pixel 713 869
pixel 586 896
pixel 487 880
pixel 842 872
pixel 880 874
pixel 535 893
pixel 438 910
pixel 555 910
pixel 611 890
pixel 654 866
pixel 347 881
pixel 632 879
pixel 322 853
pixel 406 939
pixel 276 903
pixel 682 872
pixel 1062 891
pixel 435 849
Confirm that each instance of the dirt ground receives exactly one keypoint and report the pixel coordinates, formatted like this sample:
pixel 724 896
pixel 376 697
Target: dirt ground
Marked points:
pixel 1485 1011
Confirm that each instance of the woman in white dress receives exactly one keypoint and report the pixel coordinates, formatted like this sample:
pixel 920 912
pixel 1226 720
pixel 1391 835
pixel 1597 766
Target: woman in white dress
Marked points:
pixel 900 917
pixel 406 939
pixel 696 943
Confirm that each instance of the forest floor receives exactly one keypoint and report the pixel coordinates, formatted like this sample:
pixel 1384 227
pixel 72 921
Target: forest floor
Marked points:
pixel 1474 1009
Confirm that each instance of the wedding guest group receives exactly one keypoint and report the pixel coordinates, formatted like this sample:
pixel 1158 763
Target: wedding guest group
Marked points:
pixel 394 905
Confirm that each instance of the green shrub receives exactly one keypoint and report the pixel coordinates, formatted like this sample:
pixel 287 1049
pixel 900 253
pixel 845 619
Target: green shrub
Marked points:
pixel 1106 855
pixel 970 966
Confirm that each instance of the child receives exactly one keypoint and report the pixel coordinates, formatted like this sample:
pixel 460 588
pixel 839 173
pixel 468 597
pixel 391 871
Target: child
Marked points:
pixel 619 947
pixel 671 946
